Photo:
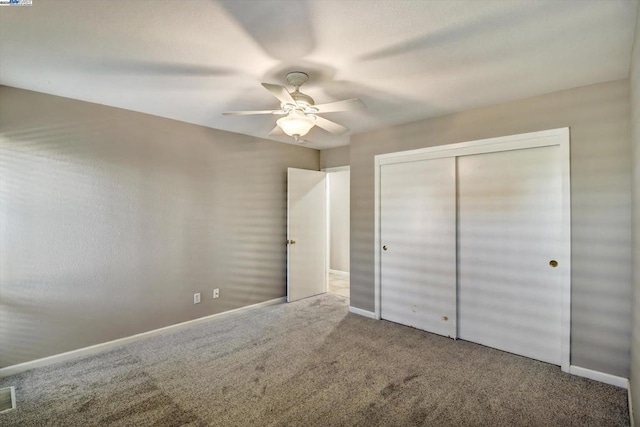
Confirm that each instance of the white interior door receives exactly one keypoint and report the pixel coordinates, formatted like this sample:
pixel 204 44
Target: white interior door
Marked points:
pixel 510 210
pixel 418 237
pixel 306 233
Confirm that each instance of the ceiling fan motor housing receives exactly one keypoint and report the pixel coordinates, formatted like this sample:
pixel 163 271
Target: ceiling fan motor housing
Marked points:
pixel 297 78
pixel 302 99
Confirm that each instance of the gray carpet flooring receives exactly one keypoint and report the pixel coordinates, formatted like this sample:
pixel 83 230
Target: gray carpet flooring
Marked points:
pixel 309 363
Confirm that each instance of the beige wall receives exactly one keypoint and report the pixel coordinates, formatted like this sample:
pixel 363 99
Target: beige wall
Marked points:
pixel 601 203
pixel 635 129
pixel 339 220
pixel 110 220
pixel 334 157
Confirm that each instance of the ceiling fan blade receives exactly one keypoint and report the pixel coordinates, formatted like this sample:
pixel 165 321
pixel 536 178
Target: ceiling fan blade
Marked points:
pixel 330 126
pixel 276 131
pixel 249 113
pixel 346 105
pixel 280 92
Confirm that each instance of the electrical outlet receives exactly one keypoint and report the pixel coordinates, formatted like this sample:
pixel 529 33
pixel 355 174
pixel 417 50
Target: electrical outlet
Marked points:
pixel 216 293
pixel 196 298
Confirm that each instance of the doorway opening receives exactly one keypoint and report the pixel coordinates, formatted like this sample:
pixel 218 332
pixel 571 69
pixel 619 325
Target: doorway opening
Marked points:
pixel 338 225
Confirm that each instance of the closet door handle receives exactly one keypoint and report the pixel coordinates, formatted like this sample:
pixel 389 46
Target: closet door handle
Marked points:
pixel 553 263
pixel 384 248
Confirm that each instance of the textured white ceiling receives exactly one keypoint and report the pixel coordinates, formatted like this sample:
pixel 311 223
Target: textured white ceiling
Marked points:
pixel 191 60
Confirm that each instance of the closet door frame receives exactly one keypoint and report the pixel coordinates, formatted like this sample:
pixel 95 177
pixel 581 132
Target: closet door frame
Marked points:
pixel 553 137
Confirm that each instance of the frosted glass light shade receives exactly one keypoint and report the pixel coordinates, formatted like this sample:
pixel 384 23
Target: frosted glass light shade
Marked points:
pixel 295 124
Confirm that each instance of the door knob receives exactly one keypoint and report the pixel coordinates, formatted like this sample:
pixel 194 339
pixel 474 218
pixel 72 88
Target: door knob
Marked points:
pixel 291 242
pixel 384 248
pixel 553 263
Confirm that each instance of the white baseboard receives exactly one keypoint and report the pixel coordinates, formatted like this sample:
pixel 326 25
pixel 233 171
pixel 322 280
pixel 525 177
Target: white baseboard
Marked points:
pixel 599 376
pixel 86 351
pixel 339 273
pixel 361 312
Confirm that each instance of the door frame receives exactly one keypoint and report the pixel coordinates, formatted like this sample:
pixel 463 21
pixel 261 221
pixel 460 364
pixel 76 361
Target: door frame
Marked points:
pixel 553 137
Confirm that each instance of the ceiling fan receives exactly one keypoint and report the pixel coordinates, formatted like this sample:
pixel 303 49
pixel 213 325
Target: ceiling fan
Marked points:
pixel 300 111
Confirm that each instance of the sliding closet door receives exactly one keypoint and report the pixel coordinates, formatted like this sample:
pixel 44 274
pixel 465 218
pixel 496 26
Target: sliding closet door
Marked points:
pixel 509 237
pixel 418 252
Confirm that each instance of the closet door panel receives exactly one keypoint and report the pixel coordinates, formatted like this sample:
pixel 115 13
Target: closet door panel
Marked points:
pixel 510 206
pixel 418 244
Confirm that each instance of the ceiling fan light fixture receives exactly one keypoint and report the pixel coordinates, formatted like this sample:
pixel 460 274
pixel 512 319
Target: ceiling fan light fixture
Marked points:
pixel 300 112
pixel 296 125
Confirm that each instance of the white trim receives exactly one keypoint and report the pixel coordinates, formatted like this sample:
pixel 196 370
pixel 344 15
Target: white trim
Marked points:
pixel 339 272
pixel 327 218
pixel 467 150
pixel 376 239
pixel 599 376
pixel 288 229
pixel 631 418
pixel 565 340
pixel 327 230
pixel 488 145
pixel 559 137
pixel 85 351
pixel 361 312
pixel 337 169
